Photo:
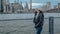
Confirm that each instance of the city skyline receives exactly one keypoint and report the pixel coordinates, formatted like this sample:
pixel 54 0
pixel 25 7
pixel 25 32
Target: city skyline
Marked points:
pixel 38 3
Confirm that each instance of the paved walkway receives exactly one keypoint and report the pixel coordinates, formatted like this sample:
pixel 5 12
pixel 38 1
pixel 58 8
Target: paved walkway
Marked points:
pixel 26 27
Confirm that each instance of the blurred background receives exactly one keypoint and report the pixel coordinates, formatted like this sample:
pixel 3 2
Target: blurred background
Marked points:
pixel 16 16
pixel 28 6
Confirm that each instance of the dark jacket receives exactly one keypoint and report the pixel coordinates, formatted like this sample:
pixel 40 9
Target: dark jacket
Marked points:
pixel 39 21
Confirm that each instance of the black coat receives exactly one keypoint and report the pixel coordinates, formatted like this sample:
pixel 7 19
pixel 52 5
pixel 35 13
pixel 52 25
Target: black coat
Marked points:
pixel 39 21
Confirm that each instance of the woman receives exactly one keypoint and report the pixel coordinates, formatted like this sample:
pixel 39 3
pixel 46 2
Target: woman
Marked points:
pixel 38 20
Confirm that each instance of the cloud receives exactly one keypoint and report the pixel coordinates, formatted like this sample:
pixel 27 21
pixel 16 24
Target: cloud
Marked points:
pixel 37 4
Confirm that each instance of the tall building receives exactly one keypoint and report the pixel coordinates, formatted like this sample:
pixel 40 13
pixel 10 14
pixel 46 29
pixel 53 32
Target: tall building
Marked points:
pixel 7 1
pixel 1 5
pixel 4 2
pixel 21 6
pixel 58 5
pixel 16 7
pixel 4 5
pixel 55 6
pixel 30 5
pixel 26 8
pixel 44 7
pixel 48 5
pixel 7 5
pixel 12 8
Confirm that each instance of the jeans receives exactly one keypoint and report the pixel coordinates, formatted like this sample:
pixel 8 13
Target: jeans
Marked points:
pixel 39 29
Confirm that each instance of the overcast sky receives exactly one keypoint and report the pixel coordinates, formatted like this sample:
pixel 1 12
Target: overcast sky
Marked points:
pixel 38 3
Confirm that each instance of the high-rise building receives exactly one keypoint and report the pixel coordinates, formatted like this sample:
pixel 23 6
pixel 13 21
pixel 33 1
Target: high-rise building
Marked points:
pixel 26 8
pixel 48 5
pixel 7 1
pixel 4 2
pixel 58 5
pixel 30 5
pixel 1 5
pixel 4 5
pixel 12 7
pixel 55 6
pixel 21 6
pixel 16 7
pixel 7 5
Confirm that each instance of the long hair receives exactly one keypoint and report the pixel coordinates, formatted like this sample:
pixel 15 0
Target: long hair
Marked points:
pixel 41 13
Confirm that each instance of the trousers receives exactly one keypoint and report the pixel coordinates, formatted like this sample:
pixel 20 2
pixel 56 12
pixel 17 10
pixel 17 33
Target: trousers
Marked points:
pixel 38 30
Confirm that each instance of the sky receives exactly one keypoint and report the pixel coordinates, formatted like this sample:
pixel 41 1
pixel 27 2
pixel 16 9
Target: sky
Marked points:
pixel 38 3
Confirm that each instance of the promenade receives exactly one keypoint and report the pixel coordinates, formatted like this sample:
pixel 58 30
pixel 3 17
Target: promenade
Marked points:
pixel 26 27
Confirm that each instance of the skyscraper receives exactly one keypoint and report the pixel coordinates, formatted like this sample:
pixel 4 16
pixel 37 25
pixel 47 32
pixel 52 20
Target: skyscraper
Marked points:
pixel 55 6
pixel 7 1
pixel 30 5
pixel 26 7
pixel 58 5
pixel 1 6
pixel 4 2
pixel 4 5
pixel 48 5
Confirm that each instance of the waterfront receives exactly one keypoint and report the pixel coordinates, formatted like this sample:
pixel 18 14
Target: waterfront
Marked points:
pixel 26 27
pixel 25 16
